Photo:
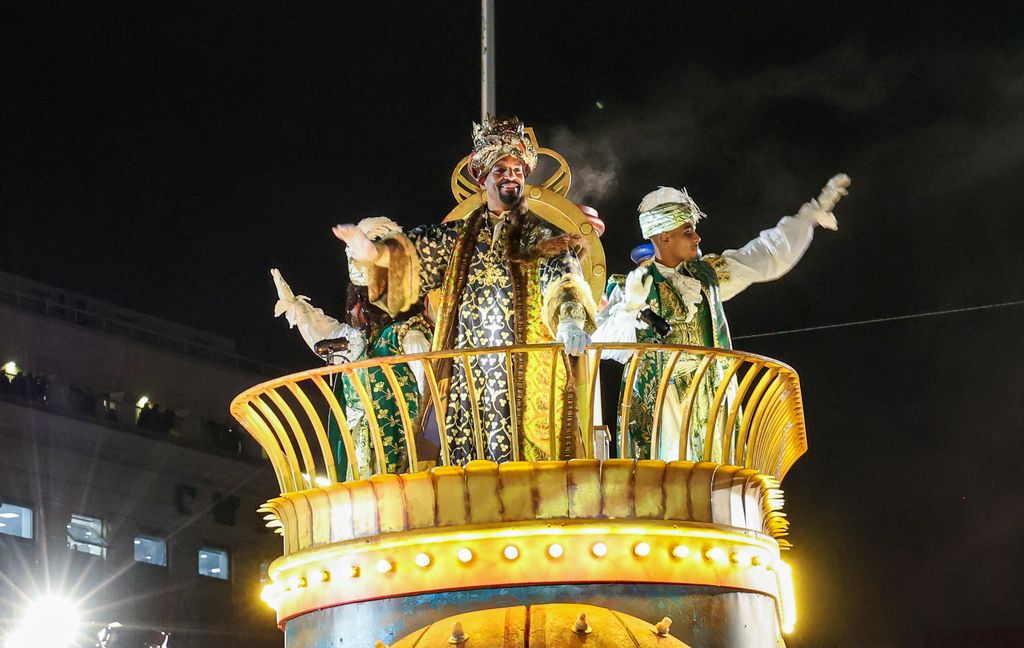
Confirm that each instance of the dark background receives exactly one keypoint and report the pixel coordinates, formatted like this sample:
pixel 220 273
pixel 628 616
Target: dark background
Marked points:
pixel 164 156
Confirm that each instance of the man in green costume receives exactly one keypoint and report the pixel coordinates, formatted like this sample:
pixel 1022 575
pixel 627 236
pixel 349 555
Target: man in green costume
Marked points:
pixel 688 289
pixel 369 333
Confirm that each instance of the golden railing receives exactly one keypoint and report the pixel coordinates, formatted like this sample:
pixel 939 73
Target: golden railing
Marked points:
pixel 757 398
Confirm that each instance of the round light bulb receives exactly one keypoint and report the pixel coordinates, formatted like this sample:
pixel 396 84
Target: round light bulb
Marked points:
pixel 423 560
pixel 465 555
pixel 511 552
pixel 555 550
pixel 385 566
pixel 680 551
pixel 599 549
pixel 715 554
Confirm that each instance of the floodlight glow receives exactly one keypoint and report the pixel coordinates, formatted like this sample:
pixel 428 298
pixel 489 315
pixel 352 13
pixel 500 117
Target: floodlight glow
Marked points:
pixel 142 401
pixel 10 368
pixel 51 621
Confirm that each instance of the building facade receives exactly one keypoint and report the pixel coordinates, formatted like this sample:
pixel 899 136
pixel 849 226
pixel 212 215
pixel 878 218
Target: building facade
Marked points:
pixel 123 488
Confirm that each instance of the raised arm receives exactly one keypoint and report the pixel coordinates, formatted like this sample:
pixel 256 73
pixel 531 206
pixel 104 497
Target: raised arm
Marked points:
pixel 775 251
pixel 312 323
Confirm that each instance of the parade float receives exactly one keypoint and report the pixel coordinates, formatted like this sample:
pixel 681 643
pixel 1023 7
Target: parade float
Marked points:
pixel 580 549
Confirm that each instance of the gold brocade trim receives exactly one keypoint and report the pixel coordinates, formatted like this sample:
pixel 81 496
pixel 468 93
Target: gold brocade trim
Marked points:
pixel 719 265
pixel 571 311
pixel 396 287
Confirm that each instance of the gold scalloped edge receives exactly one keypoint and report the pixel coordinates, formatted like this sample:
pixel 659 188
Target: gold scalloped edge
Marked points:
pixel 773 499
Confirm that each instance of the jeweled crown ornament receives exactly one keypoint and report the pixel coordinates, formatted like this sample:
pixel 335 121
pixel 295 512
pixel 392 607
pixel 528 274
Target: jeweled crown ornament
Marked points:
pixel 497 138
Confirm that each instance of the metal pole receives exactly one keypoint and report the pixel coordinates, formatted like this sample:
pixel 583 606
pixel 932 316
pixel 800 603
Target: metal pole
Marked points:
pixel 486 59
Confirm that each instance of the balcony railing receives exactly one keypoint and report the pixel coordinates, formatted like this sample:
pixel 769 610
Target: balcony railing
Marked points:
pixel 753 406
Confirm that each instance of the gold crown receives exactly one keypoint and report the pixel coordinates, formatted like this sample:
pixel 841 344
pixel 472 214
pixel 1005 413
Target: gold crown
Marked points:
pixel 497 138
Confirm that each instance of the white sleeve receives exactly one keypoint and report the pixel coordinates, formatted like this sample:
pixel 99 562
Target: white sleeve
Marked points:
pixel 772 254
pixel 615 323
pixel 416 342
pixel 312 323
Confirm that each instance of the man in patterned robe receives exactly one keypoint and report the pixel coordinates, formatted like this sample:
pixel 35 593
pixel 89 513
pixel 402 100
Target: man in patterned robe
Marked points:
pixel 688 289
pixel 506 277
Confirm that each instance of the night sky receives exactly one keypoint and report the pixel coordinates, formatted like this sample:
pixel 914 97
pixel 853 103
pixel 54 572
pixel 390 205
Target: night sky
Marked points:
pixel 164 157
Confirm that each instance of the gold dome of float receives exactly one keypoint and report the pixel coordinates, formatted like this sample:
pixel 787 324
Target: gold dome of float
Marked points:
pixel 540 625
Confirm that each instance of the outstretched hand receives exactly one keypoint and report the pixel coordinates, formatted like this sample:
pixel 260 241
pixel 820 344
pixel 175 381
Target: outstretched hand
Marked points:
pixel 833 190
pixel 360 247
pixel 819 210
pixel 284 291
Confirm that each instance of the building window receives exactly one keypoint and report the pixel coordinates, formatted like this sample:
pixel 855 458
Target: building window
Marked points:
pixel 151 550
pixel 16 521
pixel 213 563
pixel 85 534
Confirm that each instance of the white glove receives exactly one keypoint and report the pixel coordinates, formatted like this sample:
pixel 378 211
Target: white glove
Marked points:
pixel 819 210
pixel 636 290
pixel 287 301
pixel 571 334
pixel 360 247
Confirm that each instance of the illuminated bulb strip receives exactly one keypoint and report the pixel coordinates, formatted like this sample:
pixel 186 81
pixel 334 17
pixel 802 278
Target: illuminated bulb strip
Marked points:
pixel 315 576
pixel 716 554
pixel 729 558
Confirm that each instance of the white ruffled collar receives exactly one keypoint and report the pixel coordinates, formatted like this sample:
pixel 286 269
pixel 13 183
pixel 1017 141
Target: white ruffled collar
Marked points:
pixel 687 287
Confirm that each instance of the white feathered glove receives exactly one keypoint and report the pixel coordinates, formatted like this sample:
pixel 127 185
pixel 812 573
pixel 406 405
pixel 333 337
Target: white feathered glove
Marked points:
pixel 287 301
pixel 312 323
pixel 571 334
pixel 819 210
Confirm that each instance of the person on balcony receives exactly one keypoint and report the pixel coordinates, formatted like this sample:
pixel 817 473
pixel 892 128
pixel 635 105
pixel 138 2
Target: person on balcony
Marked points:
pixel 370 333
pixel 687 289
pixel 506 277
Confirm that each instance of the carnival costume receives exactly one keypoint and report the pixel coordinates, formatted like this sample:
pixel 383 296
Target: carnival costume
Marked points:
pixel 690 297
pixel 504 279
pixel 406 336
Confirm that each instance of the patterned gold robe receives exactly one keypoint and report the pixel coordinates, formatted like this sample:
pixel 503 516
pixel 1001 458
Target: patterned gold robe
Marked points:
pixel 504 280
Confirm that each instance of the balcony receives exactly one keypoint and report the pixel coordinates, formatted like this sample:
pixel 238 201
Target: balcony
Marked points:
pixel 755 419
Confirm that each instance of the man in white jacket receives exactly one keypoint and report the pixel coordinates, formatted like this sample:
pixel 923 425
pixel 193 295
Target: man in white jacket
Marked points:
pixel 687 289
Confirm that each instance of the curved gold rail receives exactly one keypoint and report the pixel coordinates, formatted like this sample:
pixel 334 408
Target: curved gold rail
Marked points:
pixel 757 398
